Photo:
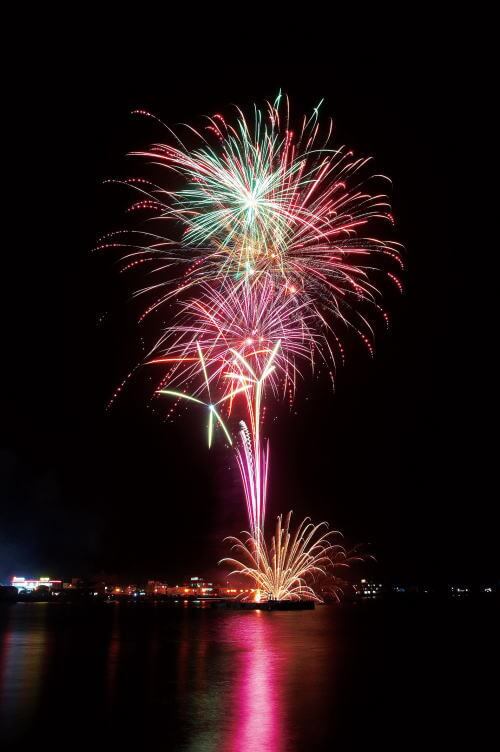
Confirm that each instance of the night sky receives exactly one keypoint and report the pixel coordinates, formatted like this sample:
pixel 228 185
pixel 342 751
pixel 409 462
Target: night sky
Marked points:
pixel 392 457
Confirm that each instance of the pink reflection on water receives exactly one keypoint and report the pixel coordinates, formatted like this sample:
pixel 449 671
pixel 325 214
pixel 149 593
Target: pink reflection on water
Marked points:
pixel 256 712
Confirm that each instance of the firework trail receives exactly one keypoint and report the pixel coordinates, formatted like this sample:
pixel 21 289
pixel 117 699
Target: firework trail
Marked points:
pixel 278 254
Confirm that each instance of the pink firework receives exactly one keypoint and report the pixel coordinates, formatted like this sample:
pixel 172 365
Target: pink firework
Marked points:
pixel 278 251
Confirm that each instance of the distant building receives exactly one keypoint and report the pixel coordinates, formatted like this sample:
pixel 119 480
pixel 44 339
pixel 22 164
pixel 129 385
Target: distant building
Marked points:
pixel 233 592
pixel 368 589
pixel 488 588
pixel 198 587
pixel 458 591
pixel 154 587
pixel 399 589
pixel 121 590
pixel 82 587
pixel 412 589
pixel 25 583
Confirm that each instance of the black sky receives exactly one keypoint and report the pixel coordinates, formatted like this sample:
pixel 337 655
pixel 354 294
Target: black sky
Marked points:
pixel 393 457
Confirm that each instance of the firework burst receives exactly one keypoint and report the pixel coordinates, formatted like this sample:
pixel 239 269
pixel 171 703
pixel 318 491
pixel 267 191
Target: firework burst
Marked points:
pixel 288 569
pixel 278 251
pixel 261 200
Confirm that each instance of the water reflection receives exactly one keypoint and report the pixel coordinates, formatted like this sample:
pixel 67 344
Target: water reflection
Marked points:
pixel 210 681
pixel 113 658
pixel 22 659
pixel 256 709
pixel 199 693
pixel 196 680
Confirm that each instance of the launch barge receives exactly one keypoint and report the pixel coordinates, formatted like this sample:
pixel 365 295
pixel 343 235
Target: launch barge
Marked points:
pixel 272 605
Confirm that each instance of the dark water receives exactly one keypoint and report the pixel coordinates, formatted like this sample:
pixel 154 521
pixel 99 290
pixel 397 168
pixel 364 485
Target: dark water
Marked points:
pixel 401 676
